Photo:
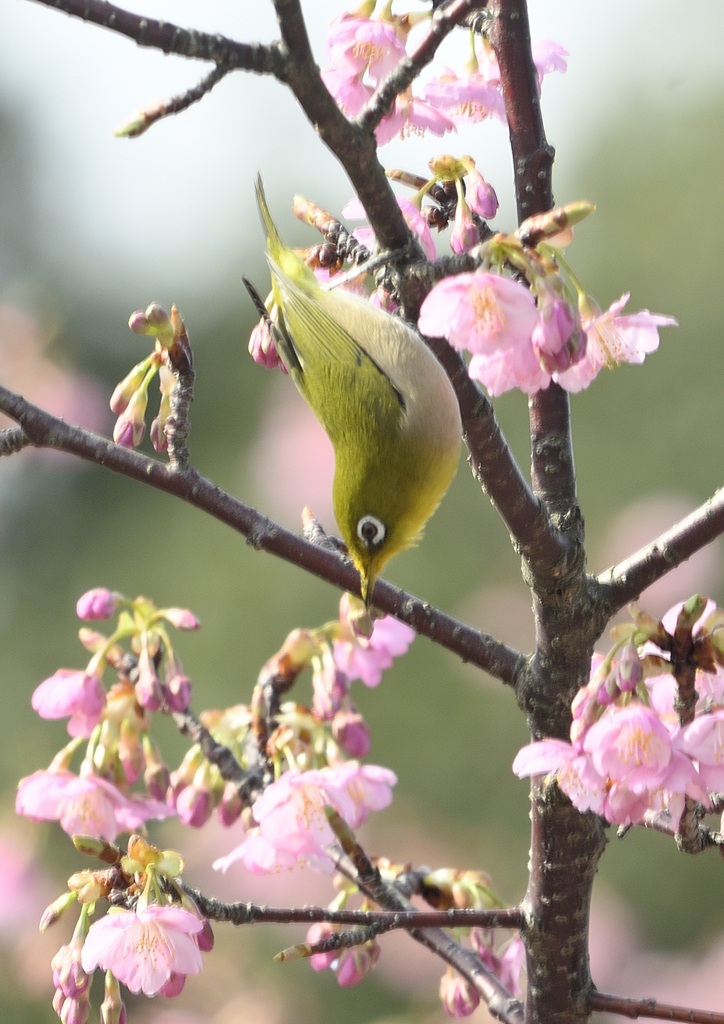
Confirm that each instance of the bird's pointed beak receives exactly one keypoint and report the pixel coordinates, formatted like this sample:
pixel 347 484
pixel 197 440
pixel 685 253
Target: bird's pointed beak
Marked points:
pixel 367 584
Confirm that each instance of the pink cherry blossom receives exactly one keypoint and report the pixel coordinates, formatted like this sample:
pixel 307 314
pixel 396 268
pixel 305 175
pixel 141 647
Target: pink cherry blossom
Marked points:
pixel 293 827
pixel 84 805
pixel 366 659
pixel 96 604
pixel 481 312
pixel 145 949
pixel 360 46
pixel 73 693
pixel 547 57
pixel 467 99
pixel 630 743
pixel 574 770
pixel 703 741
pixel 504 369
pixel 412 116
pixel 612 339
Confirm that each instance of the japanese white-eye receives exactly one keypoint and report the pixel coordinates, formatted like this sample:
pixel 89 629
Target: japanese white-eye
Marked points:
pixel 382 397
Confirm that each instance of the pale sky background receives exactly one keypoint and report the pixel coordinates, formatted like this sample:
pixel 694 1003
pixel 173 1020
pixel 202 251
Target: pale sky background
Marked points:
pixel 173 210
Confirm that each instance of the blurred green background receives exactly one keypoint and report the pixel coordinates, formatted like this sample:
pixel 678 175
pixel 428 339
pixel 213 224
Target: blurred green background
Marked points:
pixel 649 443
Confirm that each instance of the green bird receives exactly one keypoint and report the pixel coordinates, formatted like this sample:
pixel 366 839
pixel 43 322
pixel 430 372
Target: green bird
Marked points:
pixel 382 397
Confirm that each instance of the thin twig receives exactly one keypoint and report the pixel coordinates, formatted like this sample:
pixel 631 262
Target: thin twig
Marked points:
pixel 634 1008
pixel 47 431
pixel 170 38
pixel 248 783
pixel 143 120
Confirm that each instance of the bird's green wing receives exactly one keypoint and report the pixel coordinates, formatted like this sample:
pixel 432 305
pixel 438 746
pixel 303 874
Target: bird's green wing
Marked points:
pixel 329 366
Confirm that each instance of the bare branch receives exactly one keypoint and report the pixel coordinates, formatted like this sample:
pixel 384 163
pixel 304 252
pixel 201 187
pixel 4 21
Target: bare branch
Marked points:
pixel 651 1008
pixel 251 913
pixel 625 582
pixel 170 38
pixel 143 120
pixel 46 431
pixel 443 22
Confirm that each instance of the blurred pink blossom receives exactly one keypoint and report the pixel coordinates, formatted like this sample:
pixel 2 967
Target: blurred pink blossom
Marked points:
pixel 84 805
pixel 74 693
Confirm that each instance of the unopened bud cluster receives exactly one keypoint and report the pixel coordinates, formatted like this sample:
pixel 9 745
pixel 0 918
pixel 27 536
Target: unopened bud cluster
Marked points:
pixel 130 398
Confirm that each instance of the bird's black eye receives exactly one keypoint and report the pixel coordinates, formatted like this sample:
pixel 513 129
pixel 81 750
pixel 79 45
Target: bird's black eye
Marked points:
pixel 371 531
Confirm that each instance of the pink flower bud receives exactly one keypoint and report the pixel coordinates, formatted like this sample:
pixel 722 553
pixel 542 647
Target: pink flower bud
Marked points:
pixel 352 732
pixel 154 320
pixel 231 806
pixel 177 691
pixel 355 964
pixel 126 389
pixel 458 997
pixel 318 932
pixel 149 693
pixel 629 670
pixel 262 348
pixel 465 233
pixel 194 806
pixel 480 195
pixel 96 604
pixel 68 973
pixel 181 618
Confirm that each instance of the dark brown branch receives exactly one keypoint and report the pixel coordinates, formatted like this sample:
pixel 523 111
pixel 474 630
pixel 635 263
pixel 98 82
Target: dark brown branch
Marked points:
pixel 509 35
pixel 355 147
pixel 625 582
pixel 46 431
pixel 251 913
pixel 651 1008
pixel 143 120
pixel 170 38
pixel 13 440
pixel 443 22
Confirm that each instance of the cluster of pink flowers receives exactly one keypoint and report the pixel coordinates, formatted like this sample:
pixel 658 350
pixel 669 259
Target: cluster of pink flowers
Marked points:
pixel 98 801
pixel 292 826
pixel 365 50
pixel 629 755
pixel 518 343
pixel 150 949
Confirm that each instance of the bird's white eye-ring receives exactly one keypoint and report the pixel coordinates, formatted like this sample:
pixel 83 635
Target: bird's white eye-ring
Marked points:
pixel 371 531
